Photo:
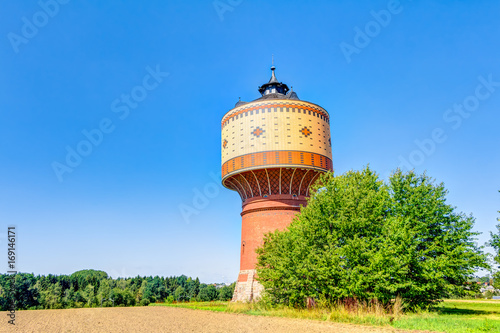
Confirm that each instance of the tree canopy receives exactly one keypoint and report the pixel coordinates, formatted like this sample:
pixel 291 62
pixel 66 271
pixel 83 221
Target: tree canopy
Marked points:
pixel 91 288
pixel 362 238
pixel 495 244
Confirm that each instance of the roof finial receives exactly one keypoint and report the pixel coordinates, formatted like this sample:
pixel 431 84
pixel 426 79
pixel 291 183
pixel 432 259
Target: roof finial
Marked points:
pixel 273 59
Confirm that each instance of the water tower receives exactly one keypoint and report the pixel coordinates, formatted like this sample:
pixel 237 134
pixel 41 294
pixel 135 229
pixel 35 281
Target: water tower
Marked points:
pixel 273 149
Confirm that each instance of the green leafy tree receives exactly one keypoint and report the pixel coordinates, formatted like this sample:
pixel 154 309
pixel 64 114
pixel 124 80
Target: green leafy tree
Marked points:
pixel 226 292
pixel 128 298
pixel 495 244
pixel 180 294
pixel 127 284
pixel 103 293
pixel 116 297
pixel 149 293
pixel 4 300
pixel 360 238
pixel 208 293
pixel 141 290
pixel 89 295
pixel 81 279
pixel 193 288
pixel 26 294
pixel 154 290
pixel 69 298
pixel 52 296
pixel 89 288
pixel 145 302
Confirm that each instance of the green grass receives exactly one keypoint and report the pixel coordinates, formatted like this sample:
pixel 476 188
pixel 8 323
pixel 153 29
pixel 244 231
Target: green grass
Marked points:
pixel 256 309
pixel 451 316
pixel 212 306
pixel 455 317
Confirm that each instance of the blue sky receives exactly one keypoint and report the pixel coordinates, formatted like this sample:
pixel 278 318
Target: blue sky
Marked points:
pixel 400 80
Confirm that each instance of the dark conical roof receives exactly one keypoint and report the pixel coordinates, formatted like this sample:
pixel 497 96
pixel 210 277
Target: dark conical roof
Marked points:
pixel 240 102
pixel 292 95
pixel 273 86
pixel 273 78
pixel 275 89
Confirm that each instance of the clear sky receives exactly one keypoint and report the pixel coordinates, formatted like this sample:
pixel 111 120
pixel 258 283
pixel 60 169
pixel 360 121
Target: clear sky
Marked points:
pixel 414 84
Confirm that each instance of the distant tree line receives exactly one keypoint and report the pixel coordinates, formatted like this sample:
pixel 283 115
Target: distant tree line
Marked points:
pixel 92 288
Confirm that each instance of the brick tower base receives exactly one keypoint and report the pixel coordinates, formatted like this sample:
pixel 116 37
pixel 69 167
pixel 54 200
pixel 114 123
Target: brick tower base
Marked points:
pixel 260 216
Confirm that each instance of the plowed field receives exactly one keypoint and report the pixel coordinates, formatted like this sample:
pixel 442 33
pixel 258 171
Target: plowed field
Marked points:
pixel 165 319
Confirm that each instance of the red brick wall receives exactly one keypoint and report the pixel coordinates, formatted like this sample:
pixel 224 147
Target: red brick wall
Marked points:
pixel 263 215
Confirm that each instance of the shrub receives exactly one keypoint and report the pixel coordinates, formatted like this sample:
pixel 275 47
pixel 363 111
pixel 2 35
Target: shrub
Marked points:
pixel 362 239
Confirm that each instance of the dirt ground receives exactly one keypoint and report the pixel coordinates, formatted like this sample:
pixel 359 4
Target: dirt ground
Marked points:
pixel 165 319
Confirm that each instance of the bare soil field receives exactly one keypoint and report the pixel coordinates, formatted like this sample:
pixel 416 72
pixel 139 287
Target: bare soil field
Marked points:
pixel 166 319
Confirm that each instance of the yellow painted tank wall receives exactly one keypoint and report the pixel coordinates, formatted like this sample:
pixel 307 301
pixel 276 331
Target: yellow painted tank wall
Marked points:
pixel 276 125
